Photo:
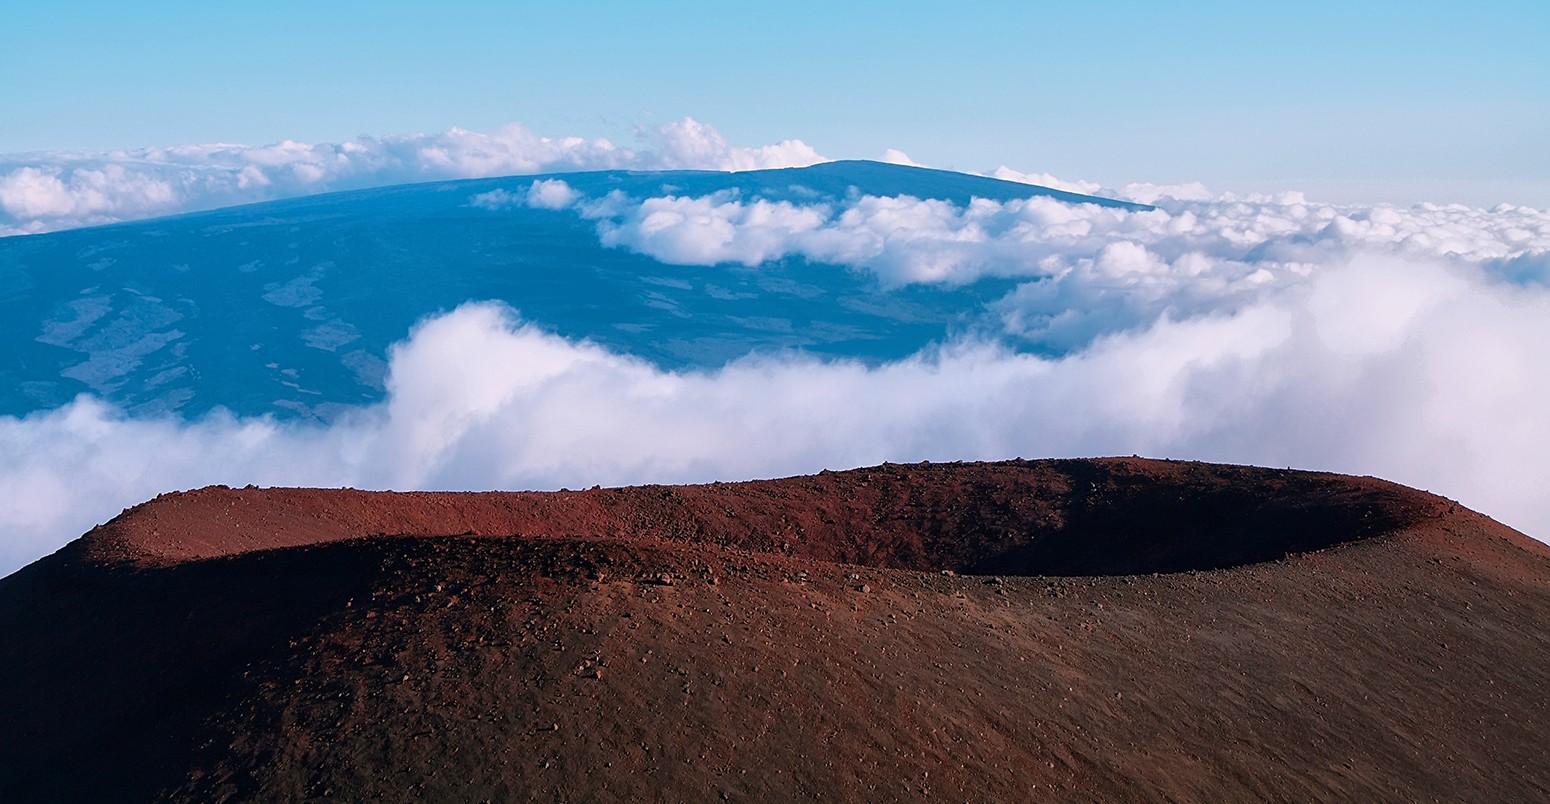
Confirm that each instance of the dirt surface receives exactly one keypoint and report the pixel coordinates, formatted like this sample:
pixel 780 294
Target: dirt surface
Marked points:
pixel 1075 630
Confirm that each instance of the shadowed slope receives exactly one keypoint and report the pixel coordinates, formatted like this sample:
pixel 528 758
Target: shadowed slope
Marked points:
pixel 693 645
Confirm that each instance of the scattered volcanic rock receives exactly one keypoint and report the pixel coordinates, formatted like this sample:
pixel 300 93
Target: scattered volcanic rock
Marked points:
pixel 1073 629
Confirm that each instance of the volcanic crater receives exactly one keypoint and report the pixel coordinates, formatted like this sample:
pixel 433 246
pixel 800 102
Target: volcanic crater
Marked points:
pixel 1078 629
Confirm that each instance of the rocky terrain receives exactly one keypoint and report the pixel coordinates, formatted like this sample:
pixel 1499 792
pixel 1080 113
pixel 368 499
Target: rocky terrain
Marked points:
pixel 1069 629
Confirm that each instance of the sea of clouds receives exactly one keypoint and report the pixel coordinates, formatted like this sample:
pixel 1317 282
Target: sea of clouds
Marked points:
pixel 1090 269
pixel 1403 342
pixel 51 191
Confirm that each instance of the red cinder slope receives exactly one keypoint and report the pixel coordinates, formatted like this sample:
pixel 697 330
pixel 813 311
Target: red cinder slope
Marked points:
pixel 1103 629
pixel 1069 517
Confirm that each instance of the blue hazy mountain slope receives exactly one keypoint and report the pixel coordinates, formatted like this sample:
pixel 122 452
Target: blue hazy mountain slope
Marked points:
pixel 829 179
pixel 289 307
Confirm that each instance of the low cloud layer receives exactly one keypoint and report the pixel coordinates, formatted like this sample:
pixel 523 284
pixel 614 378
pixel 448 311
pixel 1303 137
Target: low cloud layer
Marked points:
pixel 1091 270
pixel 1427 372
pixel 47 192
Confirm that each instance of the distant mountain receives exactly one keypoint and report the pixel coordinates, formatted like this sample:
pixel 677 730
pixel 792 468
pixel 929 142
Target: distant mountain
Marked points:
pixel 288 307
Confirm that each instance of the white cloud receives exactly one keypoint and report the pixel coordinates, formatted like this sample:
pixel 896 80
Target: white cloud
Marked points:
pixel 1092 269
pixel 46 192
pixel 710 230
pixel 541 194
pixel 1425 372
pixel 550 194
pixel 1012 238
pixel 499 199
pixel 1139 192
pixel 32 197
pixel 1046 180
pixel 690 144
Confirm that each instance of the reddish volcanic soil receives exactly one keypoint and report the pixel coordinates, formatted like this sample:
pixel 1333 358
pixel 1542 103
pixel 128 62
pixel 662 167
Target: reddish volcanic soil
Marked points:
pixel 1105 629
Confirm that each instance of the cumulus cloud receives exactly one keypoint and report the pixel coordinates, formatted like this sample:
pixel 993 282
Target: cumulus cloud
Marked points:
pixel 710 230
pixel 690 144
pixel 46 192
pixel 1091 269
pixel 1139 192
pixel 1046 180
pixel 541 194
pixel 1426 372
pixel 894 156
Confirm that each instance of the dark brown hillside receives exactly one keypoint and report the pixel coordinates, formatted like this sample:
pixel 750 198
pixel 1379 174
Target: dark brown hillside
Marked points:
pixel 1112 629
pixel 1093 517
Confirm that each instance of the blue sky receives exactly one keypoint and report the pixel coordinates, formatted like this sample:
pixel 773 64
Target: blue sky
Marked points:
pixel 1371 101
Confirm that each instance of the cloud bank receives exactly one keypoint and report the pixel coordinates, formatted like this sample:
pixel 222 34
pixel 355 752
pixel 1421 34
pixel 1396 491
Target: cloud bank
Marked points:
pixel 47 192
pixel 1426 372
pixel 1091 270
